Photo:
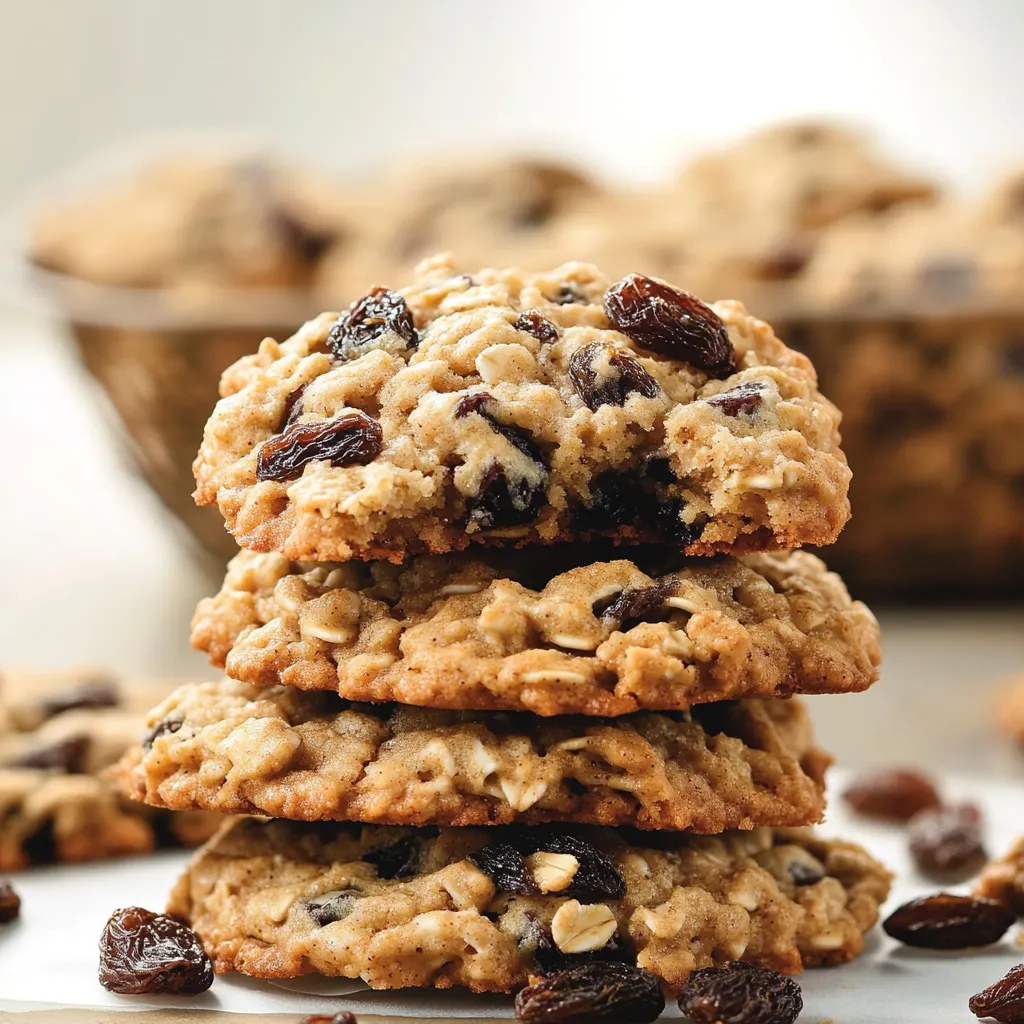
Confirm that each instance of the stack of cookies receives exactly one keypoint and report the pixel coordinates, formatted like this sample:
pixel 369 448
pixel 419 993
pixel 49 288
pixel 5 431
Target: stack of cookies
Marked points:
pixel 512 644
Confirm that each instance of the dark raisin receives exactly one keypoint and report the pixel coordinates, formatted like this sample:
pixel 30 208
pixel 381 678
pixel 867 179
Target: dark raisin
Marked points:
pixel 352 438
pixel 99 693
pixel 398 860
pixel 669 522
pixel 602 375
pixel 785 262
pixel 341 1017
pixel 597 878
pixel 743 400
pixel 636 605
pixel 615 500
pixel 10 903
pixel 803 873
pixel 567 295
pixel 946 841
pixel 142 953
pixel 899 415
pixel 332 906
pixel 946 921
pixel 549 959
pixel 671 322
pixel 894 794
pixel 40 846
pixel 502 501
pixel 540 327
pixel 1013 355
pixel 293 407
pixel 380 319
pixel 164 727
pixel 595 991
pixel 1003 1001
pixel 740 993
pixel 307 242
pixel 67 755
pixel 504 865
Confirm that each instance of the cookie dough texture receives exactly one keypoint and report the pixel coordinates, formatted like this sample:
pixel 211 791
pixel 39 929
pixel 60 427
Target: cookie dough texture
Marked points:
pixel 284 753
pixel 654 631
pixel 58 734
pixel 785 899
pixel 772 476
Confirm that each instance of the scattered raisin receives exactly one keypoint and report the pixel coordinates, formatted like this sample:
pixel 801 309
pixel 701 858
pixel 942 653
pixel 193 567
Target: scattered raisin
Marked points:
pixel 352 438
pixel 1002 1001
pixel 740 993
pixel 595 991
pixel 669 522
pixel 98 693
pixel 170 724
pixel 616 500
pixel 67 755
pixel 785 262
pixel 142 953
pixel 946 841
pixel 597 878
pixel 804 874
pixel 671 322
pixel 567 295
pixel 895 794
pixel 398 860
pixel 540 327
pixel 609 384
pixel 743 400
pixel 10 903
pixel 549 959
pixel 332 906
pixel 504 865
pixel 503 502
pixel 1013 355
pixel 341 1017
pixel 293 407
pixel 946 921
pixel 307 242
pixel 380 319
pixel 637 604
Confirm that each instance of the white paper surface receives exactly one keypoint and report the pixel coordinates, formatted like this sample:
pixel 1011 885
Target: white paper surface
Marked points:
pixel 49 955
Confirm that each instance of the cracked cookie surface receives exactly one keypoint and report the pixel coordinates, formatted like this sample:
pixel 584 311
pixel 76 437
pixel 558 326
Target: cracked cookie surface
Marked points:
pixel 281 752
pixel 539 631
pixel 503 408
pixel 58 733
pixel 417 907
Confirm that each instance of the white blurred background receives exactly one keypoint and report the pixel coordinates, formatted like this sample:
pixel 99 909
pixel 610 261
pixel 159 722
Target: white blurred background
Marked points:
pixel 627 87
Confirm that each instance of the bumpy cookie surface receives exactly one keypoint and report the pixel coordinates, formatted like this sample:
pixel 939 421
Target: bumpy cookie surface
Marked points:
pixel 284 753
pixel 1003 879
pixel 552 631
pixel 490 909
pixel 57 735
pixel 509 409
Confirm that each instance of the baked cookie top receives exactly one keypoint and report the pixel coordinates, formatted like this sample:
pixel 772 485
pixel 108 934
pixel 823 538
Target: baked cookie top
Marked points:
pixel 284 753
pixel 493 909
pixel 548 630
pixel 505 408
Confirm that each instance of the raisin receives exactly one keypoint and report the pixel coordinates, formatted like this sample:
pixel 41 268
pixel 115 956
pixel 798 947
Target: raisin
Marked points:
pixel 352 438
pixel 668 521
pixel 946 841
pixel 609 384
pixel 743 400
pixel 671 322
pixel 1002 1001
pixel 804 874
pixel 398 860
pixel 99 693
pixel 142 953
pixel 894 794
pixel 1013 355
pixel 740 993
pixel 341 1017
pixel 10 903
pixel 40 846
pixel 380 319
pixel 332 906
pixel 500 501
pixel 540 327
pixel 785 262
pixel 307 242
pixel 595 991
pixel 567 295
pixel 597 878
pixel 636 604
pixel 504 865
pixel 170 724
pixel 615 500
pixel 67 755
pixel 549 959
pixel 946 921
pixel 293 407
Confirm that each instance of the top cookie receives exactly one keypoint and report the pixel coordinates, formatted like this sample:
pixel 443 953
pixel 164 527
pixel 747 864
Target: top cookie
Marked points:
pixel 505 408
